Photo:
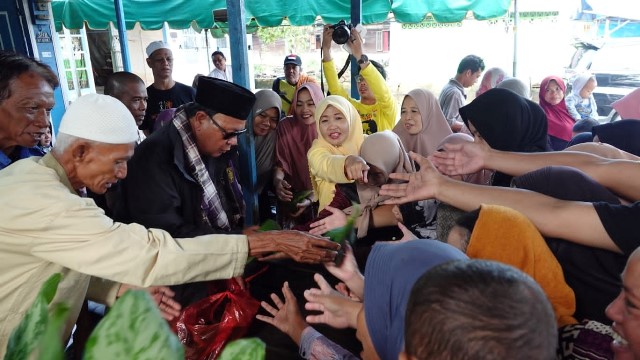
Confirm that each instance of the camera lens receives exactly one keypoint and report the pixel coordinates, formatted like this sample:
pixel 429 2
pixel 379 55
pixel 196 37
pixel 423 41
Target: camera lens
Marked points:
pixel 341 33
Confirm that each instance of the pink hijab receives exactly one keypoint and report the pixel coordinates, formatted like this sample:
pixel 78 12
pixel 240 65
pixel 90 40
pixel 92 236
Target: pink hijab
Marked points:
pixel 558 117
pixel 491 79
pixel 434 125
pixel 629 106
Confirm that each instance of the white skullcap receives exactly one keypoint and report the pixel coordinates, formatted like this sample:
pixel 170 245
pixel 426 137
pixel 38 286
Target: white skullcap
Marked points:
pixel 100 118
pixel 155 46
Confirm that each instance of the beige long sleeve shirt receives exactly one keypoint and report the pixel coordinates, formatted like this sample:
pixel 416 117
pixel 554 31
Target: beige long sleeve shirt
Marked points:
pixel 45 227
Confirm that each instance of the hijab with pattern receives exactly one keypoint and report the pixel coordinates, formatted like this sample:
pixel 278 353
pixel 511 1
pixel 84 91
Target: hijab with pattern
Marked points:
pixel 434 125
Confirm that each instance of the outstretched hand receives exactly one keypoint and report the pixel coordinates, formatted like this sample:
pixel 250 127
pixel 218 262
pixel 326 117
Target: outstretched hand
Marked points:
pixel 162 296
pixel 285 315
pixel 336 310
pixel 419 185
pixel 355 168
pixel 349 273
pixel 337 219
pixel 460 159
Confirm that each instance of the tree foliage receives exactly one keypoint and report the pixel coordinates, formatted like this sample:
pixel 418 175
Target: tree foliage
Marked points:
pixel 296 38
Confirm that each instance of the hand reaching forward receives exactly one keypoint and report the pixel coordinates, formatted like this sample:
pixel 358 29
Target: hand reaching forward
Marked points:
pixel 460 159
pixel 283 190
pixel 337 219
pixel 355 168
pixel 349 273
pixel 420 185
pixel 300 246
pixel 162 296
pixel 286 316
pixel 337 311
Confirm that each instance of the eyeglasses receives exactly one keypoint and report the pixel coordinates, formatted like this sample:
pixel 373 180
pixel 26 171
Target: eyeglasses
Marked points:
pixel 226 135
pixel 359 78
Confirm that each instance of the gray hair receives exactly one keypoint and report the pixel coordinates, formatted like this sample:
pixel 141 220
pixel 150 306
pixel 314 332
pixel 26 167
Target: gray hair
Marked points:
pixel 517 86
pixel 63 141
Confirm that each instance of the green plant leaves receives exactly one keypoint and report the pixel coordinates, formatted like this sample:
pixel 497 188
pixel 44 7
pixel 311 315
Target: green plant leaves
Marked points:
pixel 269 225
pixel 244 349
pixel 133 329
pixel 298 198
pixel 345 234
pixel 29 333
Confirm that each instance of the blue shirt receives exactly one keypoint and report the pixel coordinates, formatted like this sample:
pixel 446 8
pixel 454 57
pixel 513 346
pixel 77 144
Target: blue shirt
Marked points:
pixel 18 153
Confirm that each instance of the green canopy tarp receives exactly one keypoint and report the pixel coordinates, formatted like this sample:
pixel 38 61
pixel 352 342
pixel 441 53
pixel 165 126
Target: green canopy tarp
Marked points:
pixel 181 14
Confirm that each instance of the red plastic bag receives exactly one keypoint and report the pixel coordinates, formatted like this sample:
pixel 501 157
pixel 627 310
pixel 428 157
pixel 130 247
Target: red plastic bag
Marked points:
pixel 206 326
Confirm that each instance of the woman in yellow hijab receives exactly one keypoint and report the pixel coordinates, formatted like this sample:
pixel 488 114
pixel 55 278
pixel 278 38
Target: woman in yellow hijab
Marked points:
pixel 333 157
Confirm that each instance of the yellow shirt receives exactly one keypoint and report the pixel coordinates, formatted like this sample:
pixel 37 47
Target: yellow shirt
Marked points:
pixel 377 117
pixel 45 228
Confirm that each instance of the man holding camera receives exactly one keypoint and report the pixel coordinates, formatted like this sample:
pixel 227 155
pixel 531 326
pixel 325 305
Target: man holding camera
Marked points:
pixel 293 79
pixel 377 108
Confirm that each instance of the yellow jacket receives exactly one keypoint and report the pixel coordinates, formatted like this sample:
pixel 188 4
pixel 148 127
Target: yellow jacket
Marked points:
pixel 384 113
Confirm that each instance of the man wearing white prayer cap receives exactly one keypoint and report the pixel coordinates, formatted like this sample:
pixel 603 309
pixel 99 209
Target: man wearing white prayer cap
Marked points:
pixel 47 228
pixel 165 93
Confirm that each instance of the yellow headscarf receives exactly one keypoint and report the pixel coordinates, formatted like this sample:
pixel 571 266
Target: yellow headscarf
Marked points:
pixel 323 178
pixel 504 235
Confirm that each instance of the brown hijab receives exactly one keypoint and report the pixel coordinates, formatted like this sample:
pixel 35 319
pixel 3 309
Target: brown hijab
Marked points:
pixel 294 139
pixel 434 125
pixel 385 151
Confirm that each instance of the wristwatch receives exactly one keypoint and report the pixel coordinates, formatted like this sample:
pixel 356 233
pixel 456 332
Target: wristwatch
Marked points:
pixel 363 59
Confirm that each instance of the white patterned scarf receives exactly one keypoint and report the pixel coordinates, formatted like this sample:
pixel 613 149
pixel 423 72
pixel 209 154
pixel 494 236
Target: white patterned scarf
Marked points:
pixel 212 211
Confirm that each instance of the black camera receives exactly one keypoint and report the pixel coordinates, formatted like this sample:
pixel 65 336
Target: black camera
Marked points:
pixel 341 32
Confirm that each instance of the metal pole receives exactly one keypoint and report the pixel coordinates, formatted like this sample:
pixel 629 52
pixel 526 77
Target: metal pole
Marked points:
pixel 240 66
pixel 122 36
pixel 356 18
pixel 516 23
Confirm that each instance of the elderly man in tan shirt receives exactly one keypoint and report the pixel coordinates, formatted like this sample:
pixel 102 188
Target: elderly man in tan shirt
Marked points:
pixel 46 227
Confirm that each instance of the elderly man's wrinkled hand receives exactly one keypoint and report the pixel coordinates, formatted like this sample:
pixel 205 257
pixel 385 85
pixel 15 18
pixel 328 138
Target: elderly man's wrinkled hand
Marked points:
pixel 306 248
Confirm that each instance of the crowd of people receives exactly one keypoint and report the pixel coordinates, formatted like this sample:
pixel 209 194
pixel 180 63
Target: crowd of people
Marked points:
pixel 499 228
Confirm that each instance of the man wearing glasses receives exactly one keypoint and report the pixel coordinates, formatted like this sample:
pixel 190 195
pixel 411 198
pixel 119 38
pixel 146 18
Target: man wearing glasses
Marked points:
pixel 182 178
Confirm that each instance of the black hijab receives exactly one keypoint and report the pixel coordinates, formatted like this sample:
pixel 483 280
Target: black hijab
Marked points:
pixel 623 134
pixel 507 122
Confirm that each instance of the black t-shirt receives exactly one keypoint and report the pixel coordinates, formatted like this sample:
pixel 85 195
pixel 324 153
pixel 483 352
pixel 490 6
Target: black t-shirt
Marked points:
pixel 620 222
pixel 159 100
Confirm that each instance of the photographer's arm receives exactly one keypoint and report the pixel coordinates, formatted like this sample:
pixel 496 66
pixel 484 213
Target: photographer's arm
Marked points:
pixel 328 66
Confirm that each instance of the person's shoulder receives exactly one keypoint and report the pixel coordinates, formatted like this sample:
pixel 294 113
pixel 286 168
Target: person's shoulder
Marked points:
pixel 184 87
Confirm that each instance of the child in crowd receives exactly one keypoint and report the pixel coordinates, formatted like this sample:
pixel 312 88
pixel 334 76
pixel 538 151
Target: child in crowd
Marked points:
pixel 45 144
pixel 580 102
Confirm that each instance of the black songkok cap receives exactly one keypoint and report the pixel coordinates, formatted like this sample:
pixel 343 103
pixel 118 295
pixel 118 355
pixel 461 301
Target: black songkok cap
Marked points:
pixel 224 97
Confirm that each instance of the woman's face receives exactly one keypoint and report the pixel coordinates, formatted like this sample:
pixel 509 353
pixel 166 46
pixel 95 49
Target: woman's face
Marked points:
pixel 553 94
pixel 474 132
pixel 305 107
pixel 410 116
pixel 220 62
pixel 588 88
pixel 265 121
pixel 334 126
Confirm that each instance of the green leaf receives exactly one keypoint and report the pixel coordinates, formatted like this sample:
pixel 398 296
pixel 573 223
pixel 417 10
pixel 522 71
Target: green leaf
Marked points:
pixel 51 346
pixel 133 329
pixel 347 232
pixel 31 329
pixel 244 349
pixel 298 198
pixel 269 225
